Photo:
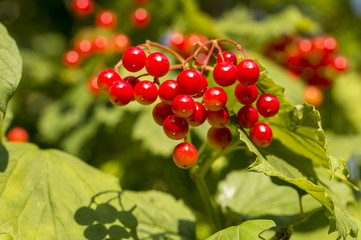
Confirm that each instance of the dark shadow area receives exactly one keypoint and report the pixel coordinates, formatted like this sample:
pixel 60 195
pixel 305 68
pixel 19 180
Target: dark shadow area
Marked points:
pixel 107 219
pixel 4 158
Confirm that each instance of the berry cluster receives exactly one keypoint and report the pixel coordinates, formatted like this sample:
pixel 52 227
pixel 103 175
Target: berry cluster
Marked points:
pixel 187 100
pixel 315 60
pixel 103 37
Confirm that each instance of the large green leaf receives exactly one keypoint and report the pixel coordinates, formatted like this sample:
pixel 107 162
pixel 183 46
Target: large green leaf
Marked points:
pixel 247 230
pixel 48 194
pixel 10 70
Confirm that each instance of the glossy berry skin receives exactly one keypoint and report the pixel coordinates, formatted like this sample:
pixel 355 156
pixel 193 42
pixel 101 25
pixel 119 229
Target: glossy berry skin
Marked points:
pixel 71 58
pixel 228 57
pixel 92 85
pixel 185 155
pixel 183 106
pixel 131 80
pixel 157 64
pixel 247 116
pixel 134 59
pixel 199 115
pixel 175 127
pixel 219 138
pixel 168 90
pixel 106 78
pixel 140 18
pixel 218 119
pixel 145 92
pixel 203 86
pixel 248 72
pixel 261 134
pixel 18 134
pixel 225 74
pixel 246 94
pixel 160 112
pixel 82 7
pixel 106 19
pixel 268 105
pixel 189 81
pixel 214 98
pixel 120 93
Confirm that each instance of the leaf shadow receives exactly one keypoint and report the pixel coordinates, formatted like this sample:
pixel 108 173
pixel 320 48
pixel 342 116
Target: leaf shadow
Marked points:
pixel 106 218
pixel 4 158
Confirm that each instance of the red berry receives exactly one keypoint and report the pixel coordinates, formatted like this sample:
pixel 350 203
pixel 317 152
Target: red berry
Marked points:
pixel 203 86
pixel 106 78
pixel 18 134
pixel 189 81
pixel 340 63
pixel 140 18
pixel 160 112
pixel 218 119
pixel 132 80
pixel 100 43
pixel 199 115
pixel 225 74
pixel 261 134
pixel 228 57
pixel 157 64
pixel 82 7
pixel 268 105
pixel 71 58
pixel 168 90
pixel 248 72
pixel 176 40
pixel 121 42
pixel 219 138
pixel 145 92
pixel 84 46
pixel 134 59
pixel 247 116
pixel 183 106
pixel 120 93
pixel 190 42
pixel 185 155
pixel 175 127
pixel 106 19
pixel 93 86
pixel 246 94
pixel 214 98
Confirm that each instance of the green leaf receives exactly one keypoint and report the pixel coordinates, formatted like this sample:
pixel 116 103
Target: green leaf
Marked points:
pixel 247 230
pixel 48 194
pixel 10 70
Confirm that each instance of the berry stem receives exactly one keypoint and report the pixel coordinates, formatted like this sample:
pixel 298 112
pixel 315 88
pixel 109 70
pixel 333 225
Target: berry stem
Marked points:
pixel 239 47
pixel 194 55
pixel 149 43
pixel 117 66
pixel 205 63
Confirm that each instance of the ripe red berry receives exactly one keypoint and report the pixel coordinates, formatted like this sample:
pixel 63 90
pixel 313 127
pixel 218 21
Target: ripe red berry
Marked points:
pixel 145 92
pixel 100 43
pixel 228 57
pixel 175 127
pixel 246 94
pixel 185 155
pixel 183 106
pixel 247 116
pixel 268 105
pixel 248 72
pixel 340 63
pixel 140 18
pixel 225 74
pixel 106 78
pixel 157 64
pixel 168 90
pixel 203 87
pixel 176 41
pixel 261 134
pixel 199 115
pixel 84 46
pixel 82 7
pixel 92 84
pixel 134 59
pixel 160 112
pixel 121 42
pixel 18 134
pixel 218 119
pixel 132 80
pixel 106 19
pixel 189 81
pixel 71 58
pixel 120 93
pixel 219 138
pixel 214 98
